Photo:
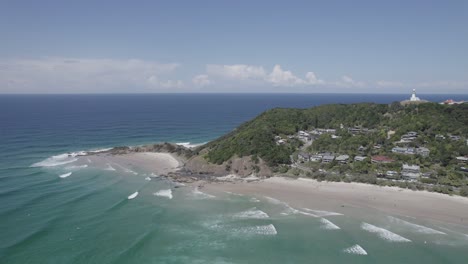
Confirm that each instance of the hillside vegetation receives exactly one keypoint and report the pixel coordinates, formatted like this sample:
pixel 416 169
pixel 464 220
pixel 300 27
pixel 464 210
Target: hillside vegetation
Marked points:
pixel 257 137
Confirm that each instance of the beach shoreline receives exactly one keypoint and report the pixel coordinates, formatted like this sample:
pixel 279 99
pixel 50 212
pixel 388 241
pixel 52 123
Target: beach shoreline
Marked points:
pixel 339 196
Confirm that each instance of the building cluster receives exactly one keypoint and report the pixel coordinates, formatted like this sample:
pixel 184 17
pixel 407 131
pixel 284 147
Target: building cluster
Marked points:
pixel 411 151
pixel 323 157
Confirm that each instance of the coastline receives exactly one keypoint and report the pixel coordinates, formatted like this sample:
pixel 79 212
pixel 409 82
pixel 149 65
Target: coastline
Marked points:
pixel 299 193
pixel 340 196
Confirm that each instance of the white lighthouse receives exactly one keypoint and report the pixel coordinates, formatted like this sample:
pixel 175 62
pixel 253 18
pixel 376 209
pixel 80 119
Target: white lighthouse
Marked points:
pixel 414 98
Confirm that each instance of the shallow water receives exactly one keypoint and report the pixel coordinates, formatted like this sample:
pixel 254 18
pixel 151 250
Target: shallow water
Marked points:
pixel 87 217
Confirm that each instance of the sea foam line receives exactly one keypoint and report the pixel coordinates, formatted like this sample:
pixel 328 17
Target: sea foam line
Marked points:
pixel 133 195
pixel 328 225
pixel 289 210
pixel 201 195
pixel 321 213
pixel 258 230
pixel 356 250
pixel 164 193
pixel 383 233
pixel 65 175
pixel 415 227
pixel 253 213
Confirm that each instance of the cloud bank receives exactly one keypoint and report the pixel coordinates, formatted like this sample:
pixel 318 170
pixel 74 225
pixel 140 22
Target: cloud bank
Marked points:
pixel 75 75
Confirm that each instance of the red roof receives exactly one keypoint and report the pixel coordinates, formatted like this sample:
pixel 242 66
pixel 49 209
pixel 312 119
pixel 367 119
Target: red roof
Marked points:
pixel 382 159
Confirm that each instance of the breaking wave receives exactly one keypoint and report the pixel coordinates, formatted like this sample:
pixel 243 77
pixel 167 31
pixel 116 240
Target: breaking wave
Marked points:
pixel 253 213
pixel 65 175
pixel 328 225
pixel 65 158
pixel 288 209
pixel 109 168
pixel 356 250
pixel 164 193
pixel 197 194
pixel 257 230
pixel 415 227
pixel 320 213
pixel 383 233
pixel 133 196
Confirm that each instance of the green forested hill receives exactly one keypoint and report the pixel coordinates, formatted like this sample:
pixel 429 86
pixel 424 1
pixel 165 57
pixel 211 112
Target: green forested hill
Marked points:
pixel 257 137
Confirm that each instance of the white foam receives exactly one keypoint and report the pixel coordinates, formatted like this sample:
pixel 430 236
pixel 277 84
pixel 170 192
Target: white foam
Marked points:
pixel 100 150
pixel 164 193
pixel 288 209
pixel 65 175
pixel 190 145
pixel 56 160
pixel 415 227
pixel 133 195
pixel 201 195
pixel 258 230
pixel 328 225
pixel 77 167
pixel 321 213
pixel 253 213
pixel 254 200
pixel 383 233
pixel 148 179
pixel 109 168
pixel 356 250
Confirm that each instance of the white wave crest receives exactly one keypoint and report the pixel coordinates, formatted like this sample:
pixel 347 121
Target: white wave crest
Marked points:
pixel 254 200
pixel 164 193
pixel 56 160
pixel 321 213
pixel 148 179
pixel 257 230
pixel 253 213
pixel 197 194
pixel 328 225
pixel 383 233
pixel 133 195
pixel 109 168
pixel 100 150
pixel 190 145
pixel 65 175
pixel 415 227
pixel 356 250
pixel 289 210
pixel 77 167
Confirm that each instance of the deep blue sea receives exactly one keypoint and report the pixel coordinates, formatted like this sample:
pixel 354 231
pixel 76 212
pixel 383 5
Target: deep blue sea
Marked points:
pixel 87 218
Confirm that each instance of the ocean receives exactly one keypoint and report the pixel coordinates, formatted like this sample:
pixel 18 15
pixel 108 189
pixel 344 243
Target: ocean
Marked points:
pixel 48 215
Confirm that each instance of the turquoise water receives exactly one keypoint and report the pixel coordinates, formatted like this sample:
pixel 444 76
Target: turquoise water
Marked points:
pixel 88 218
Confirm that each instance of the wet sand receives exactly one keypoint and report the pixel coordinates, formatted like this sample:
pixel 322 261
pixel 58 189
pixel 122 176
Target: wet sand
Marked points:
pixel 339 196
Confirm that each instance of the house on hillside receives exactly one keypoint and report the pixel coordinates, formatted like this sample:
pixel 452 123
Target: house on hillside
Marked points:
pixel 328 158
pixel 462 159
pixel 302 156
pixel 423 151
pixel 391 174
pixel 410 172
pixel 343 159
pixel 360 158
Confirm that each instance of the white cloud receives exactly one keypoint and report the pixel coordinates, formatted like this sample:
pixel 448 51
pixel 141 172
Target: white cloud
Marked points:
pixel 279 77
pixel 347 81
pixel 64 75
pixel 312 79
pixel 236 71
pixel 201 80
pixel 156 83
pixel 258 75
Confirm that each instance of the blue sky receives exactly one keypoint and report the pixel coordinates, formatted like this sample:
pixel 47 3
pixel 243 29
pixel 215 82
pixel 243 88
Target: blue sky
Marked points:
pixel 233 46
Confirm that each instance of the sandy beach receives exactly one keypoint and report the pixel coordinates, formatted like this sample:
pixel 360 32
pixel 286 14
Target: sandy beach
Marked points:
pixel 340 197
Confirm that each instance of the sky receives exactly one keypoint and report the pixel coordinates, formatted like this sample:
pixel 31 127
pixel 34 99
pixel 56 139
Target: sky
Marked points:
pixel 241 46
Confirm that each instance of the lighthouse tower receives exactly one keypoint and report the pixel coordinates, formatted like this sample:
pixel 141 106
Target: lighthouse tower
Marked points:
pixel 414 98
